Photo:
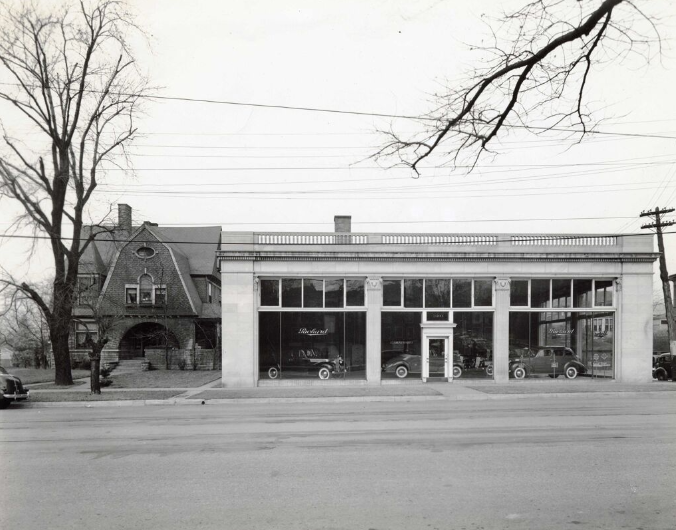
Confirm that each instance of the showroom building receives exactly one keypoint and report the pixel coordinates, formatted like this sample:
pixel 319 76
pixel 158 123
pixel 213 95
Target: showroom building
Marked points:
pixel 381 308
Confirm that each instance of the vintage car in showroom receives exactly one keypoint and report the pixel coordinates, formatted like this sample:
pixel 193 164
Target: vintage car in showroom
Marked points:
pixel 548 360
pixel 305 362
pixel 406 363
pixel 12 389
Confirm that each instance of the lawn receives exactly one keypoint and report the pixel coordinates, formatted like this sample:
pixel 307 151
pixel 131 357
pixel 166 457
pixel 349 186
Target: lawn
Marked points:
pixel 39 375
pixel 164 379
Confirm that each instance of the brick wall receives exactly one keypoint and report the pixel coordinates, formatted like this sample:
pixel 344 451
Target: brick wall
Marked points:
pixel 129 267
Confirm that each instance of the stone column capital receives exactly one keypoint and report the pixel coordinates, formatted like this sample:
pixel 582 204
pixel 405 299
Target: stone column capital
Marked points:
pixel 618 284
pixel 374 284
pixel 502 284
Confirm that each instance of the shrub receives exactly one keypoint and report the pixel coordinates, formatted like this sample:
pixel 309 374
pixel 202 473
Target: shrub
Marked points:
pixel 22 359
pixel 105 372
pixel 181 364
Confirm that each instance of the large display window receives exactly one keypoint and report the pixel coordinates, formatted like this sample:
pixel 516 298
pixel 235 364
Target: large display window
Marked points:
pixel 312 345
pixel 401 341
pixel 561 344
pixel 546 293
pixel 473 344
pixel 312 293
pixel 418 293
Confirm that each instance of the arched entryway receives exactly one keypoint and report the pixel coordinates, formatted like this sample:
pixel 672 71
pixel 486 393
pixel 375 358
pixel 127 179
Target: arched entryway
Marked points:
pixel 145 335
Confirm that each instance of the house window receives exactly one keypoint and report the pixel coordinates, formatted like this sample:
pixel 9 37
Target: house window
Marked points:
pixel 160 295
pixel 84 333
pixel 146 290
pixel 209 293
pixel 145 252
pixel 131 295
pixel 86 289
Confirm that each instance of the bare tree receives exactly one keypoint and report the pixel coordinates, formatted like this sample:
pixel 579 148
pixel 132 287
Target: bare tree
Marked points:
pixel 72 78
pixel 104 315
pixel 24 330
pixel 534 76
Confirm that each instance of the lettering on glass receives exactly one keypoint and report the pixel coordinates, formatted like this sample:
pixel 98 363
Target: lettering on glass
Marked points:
pixel 553 331
pixel 313 332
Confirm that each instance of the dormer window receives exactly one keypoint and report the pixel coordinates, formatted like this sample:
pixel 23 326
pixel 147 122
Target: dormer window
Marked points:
pixel 145 252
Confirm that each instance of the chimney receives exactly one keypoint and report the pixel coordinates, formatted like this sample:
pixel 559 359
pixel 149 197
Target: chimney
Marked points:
pixel 343 223
pixel 124 219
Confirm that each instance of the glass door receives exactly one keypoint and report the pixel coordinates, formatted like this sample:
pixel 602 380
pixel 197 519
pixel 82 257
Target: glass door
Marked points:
pixel 437 357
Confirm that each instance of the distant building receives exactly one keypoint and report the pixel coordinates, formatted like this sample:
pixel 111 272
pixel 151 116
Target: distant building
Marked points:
pixel 161 287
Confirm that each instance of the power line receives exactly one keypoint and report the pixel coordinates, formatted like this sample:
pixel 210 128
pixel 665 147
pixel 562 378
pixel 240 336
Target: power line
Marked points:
pixel 364 113
pixel 382 168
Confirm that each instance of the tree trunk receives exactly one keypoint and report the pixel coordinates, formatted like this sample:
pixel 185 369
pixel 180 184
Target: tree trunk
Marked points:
pixel 62 372
pixel 59 329
pixel 95 374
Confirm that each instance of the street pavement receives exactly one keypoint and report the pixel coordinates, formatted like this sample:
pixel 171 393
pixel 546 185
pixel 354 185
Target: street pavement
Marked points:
pixel 588 461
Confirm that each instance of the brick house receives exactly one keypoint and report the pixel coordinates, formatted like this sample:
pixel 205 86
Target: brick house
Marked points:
pixel 159 288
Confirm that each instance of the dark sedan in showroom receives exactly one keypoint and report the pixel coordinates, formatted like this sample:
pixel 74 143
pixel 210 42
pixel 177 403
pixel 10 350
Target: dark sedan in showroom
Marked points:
pixel 548 360
pixel 12 389
pixel 406 363
pixel 305 363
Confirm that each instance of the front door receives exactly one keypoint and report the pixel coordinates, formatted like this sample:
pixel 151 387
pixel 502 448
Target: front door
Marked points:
pixel 435 358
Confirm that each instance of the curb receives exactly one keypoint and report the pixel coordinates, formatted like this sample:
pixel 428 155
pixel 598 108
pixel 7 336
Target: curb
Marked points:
pixel 336 399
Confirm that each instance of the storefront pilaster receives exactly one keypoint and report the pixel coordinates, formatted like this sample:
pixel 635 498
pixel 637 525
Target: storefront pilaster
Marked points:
pixel 374 304
pixel 238 305
pixel 501 331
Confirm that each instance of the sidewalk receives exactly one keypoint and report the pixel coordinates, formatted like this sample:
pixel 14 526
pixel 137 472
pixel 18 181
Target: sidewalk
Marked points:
pixel 211 393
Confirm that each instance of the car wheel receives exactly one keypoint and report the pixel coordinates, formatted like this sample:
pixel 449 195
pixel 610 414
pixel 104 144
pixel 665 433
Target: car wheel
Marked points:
pixel 661 375
pixel 4 403
pixel 401 372
pixel 571 372
pixel 457 372
pixel 489 371
pixel 519 372
pixel 324 373
pixel 273 373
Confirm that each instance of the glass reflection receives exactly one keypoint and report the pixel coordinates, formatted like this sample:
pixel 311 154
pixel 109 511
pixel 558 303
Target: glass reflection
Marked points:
pixel 473 345
pixel 561 344
pixel 312 345
pixel 400 354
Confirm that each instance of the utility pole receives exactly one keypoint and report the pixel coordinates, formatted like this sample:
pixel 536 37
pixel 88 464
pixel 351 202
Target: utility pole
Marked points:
pixel 658 224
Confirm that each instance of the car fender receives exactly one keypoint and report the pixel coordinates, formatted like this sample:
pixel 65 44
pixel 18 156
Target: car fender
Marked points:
pixel 581 368
pixel 658 371
pixel 520 365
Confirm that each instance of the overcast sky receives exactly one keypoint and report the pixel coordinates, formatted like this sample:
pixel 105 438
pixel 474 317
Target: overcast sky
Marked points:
pixel 254 168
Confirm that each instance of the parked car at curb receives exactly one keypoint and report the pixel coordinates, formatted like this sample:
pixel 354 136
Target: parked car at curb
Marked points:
pixel 12 389
pixel 550 360
pixel 406 363
pixel 663 368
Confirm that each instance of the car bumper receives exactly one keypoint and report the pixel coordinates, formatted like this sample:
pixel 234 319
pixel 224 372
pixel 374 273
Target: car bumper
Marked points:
pixel 17 396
